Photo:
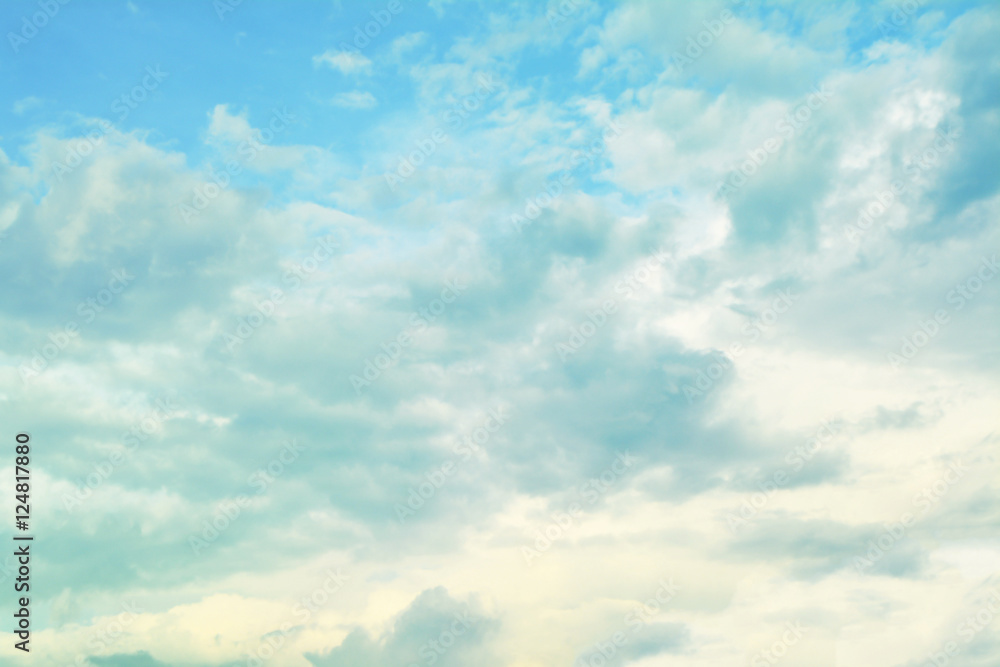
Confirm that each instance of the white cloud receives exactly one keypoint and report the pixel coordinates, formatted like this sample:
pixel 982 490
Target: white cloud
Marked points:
pixel 651 187
pixel 347 62
pixel 228 127
pixel 356 99
pixel 25 104
pixel 406 43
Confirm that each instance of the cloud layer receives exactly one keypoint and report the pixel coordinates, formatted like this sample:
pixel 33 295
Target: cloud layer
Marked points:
pixel 651 333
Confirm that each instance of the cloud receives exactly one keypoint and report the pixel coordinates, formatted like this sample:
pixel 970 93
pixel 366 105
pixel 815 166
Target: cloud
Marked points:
pixel 228 127
pixel 25 104
pixel 616 297
pixel 261 149
pixel 403 45
pixel 355 99
pixel 346 62
pixel 434 629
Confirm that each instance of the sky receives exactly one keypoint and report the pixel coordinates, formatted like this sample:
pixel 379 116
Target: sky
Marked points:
pixel 524 334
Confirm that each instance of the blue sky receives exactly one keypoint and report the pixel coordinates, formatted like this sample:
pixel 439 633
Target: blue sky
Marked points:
pixel 512 334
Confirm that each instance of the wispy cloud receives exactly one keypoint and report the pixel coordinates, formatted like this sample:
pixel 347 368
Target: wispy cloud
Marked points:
pixel 376 359
pixel 346 62
pixel 356 99
pixel 25 104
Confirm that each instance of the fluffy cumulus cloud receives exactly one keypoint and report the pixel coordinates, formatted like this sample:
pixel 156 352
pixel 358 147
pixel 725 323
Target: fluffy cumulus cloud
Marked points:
pixel 566 333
